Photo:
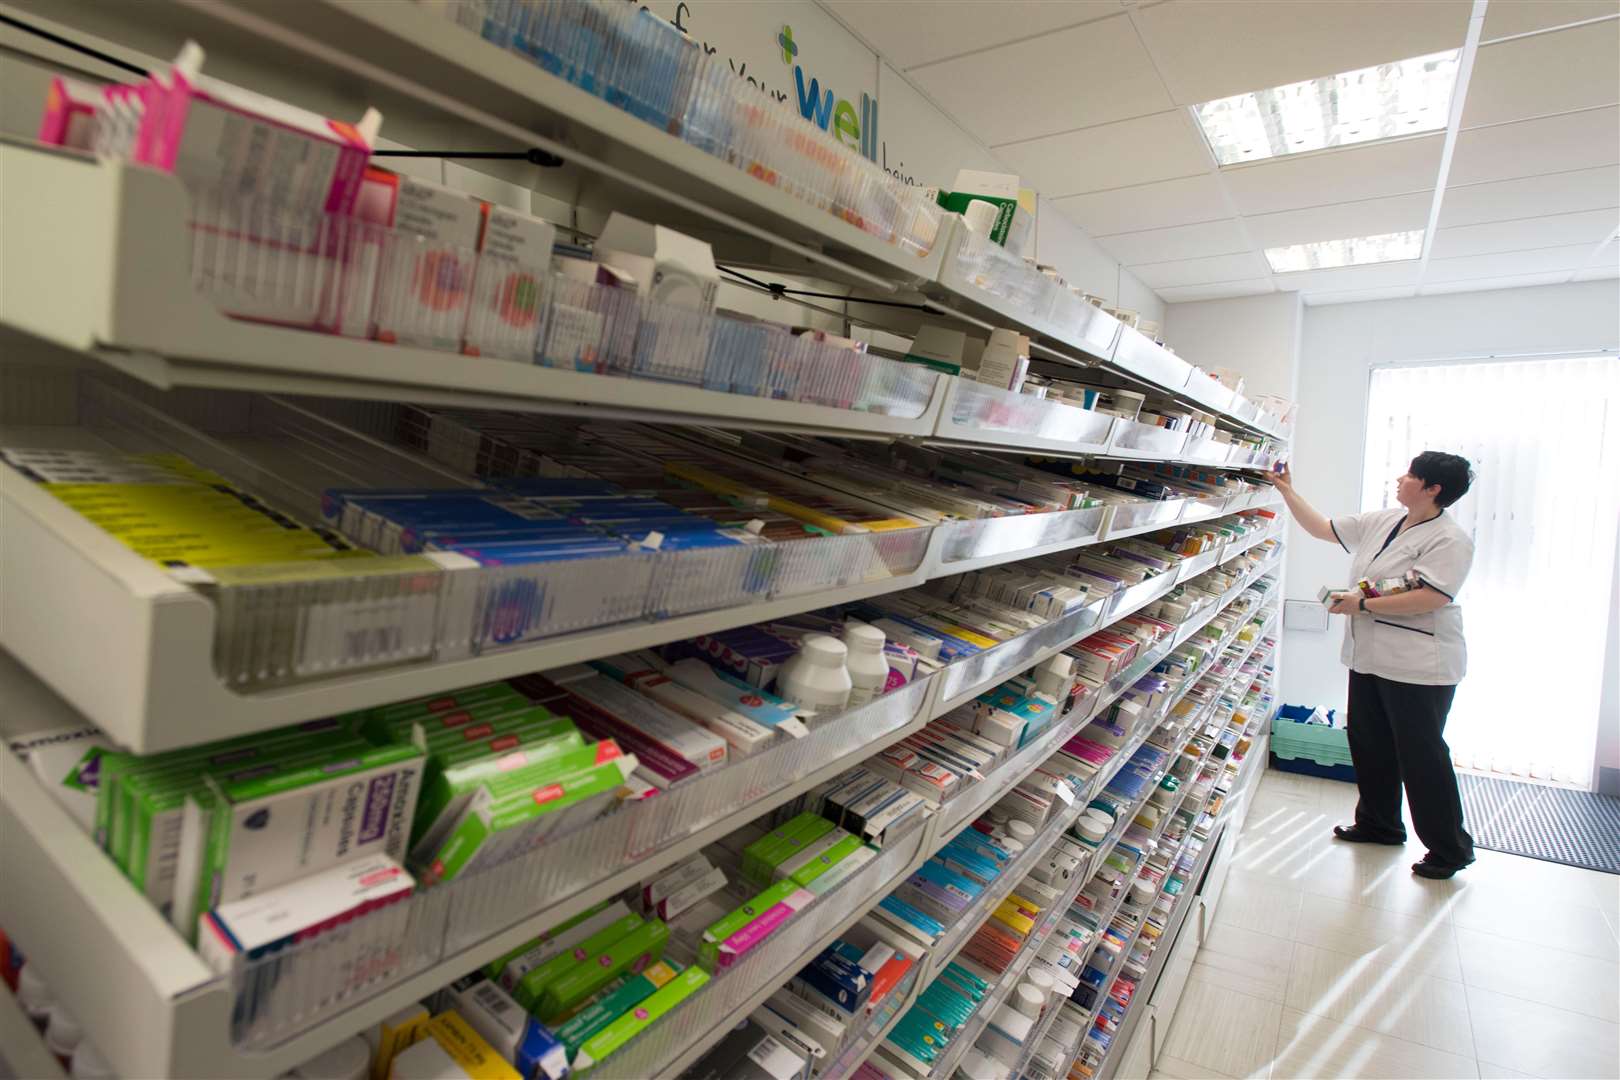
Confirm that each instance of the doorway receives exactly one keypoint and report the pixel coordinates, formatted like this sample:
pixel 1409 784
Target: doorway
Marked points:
pixel 1544 439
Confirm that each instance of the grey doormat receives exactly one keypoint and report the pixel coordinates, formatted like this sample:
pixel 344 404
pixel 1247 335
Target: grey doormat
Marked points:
pixel 1577 828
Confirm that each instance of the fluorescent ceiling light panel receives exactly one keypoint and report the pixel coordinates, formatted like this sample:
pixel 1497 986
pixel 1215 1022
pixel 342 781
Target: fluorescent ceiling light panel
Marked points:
pixel 1327 254
pixel 1404 98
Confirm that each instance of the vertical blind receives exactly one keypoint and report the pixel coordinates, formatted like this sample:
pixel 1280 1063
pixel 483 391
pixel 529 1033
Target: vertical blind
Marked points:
pixel 1544 439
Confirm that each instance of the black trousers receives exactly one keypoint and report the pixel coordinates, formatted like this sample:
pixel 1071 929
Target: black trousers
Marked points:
pixel 1397 735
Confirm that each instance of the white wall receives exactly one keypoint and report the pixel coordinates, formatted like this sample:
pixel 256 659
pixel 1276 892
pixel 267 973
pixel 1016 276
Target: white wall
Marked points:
pixel 1255 335
pixel 1340 344
pixel 1063 245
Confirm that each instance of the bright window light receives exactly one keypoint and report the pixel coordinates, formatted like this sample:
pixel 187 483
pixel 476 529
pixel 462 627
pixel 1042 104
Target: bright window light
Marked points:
pixel 1403 98
pixel 1326 254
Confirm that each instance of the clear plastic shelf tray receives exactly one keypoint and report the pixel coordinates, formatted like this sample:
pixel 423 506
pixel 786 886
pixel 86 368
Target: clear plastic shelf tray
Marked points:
pixel 1141 356
pixel 1205 507
pixel 978 413
pixel 1206 452
pixel 170 271
pixel 1208 391
pixel 967 545
pixel 279 996
pixel 1133 439
pixel 678 1039
pixel 967 678
pixel 981 271
pixel 284 623
pixel 1145 515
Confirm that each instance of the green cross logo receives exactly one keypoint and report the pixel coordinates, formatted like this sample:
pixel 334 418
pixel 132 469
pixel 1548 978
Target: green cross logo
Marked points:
pixel 789 49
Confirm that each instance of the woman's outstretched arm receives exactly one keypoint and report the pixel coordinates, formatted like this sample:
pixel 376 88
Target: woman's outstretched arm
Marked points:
pixel 1309 517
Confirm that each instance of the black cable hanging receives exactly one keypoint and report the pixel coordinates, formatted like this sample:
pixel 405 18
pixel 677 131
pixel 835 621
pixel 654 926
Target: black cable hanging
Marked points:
pixel 533 155
pixel 69 43
pixel 779 290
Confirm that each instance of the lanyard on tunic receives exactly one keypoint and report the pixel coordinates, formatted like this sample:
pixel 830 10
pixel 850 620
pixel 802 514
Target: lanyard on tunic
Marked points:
pixel 1396 531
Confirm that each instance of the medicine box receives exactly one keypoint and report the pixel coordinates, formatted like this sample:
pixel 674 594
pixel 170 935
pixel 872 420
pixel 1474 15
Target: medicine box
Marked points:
pixel 299 909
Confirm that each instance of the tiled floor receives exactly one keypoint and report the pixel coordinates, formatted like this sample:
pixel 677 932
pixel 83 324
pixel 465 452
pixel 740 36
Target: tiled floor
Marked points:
pixel 1327 959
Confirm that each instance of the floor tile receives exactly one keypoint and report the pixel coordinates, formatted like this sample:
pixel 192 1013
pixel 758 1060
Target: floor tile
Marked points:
pixel 1314 1046
pixel 1565 919
pixel 1222 1030
pixel 1553 977
pixel 1515 962
pixel 1540 1039
pixel 1169 1068
pixel 1245 961
pixel 1516 873
pixel 1381 997
pixel 1259 904
pixel 1487 1071
pixel 1418 946
pixel 1605 888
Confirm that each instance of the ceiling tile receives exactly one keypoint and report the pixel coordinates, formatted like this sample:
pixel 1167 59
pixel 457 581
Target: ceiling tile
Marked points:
pixel 1088 75
pixel 1217 268
pixel 1589 227
pixel 1333 176
pixel 1514 281
pixel 1504 17
pixel 909 34
pixel 1545 74
pixel 1509 263
pixel 1181 242
pixel 1382 276
pixel 1213 50
pixel 1580 140
pixel 1118 155
pixel 1147 206
pixel 1356 296
pixel 1503 200
pixel 1367 217
pixel 1182 294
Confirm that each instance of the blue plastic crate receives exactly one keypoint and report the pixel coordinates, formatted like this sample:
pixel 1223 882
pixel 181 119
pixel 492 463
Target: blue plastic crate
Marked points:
pixel 1306 767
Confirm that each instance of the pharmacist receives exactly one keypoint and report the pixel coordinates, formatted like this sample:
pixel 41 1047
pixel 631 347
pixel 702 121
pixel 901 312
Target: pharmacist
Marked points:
pixel 1406 655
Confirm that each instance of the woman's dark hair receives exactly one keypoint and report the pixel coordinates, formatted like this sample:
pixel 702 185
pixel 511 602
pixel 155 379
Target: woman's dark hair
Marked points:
pixel 1451 472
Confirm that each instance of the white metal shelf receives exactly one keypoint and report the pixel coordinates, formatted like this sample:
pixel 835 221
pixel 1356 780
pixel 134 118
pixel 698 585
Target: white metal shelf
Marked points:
pixel 1181 732
pixel 956 815
pixel 163 992
pixel 135 307
pixel 23 1053
pixel 136 310
pixel 150 995
pixel 969 1034
pixel 1070 326
pixel 669 1049
pixel 1210 845
pixel 1167 943
pixel 433 75
pixel 157 687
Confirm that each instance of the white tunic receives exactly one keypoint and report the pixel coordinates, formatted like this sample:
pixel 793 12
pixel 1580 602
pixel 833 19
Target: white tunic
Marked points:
pixel 1426 648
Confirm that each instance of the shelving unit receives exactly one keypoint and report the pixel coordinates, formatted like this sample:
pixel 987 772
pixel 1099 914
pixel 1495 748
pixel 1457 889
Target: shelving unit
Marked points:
pixel 184 1008
pixel 152 640
pixel 1169 942
pixel 160 688
pixel 971 804
pixel 22 1047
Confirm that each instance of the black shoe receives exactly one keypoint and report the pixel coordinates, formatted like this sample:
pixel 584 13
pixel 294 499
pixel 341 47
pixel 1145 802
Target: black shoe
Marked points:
pixel 1355 834
pixel 1435 870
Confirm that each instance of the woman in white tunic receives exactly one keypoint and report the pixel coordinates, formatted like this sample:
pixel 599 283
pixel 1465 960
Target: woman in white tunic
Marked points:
pixel 1406 655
